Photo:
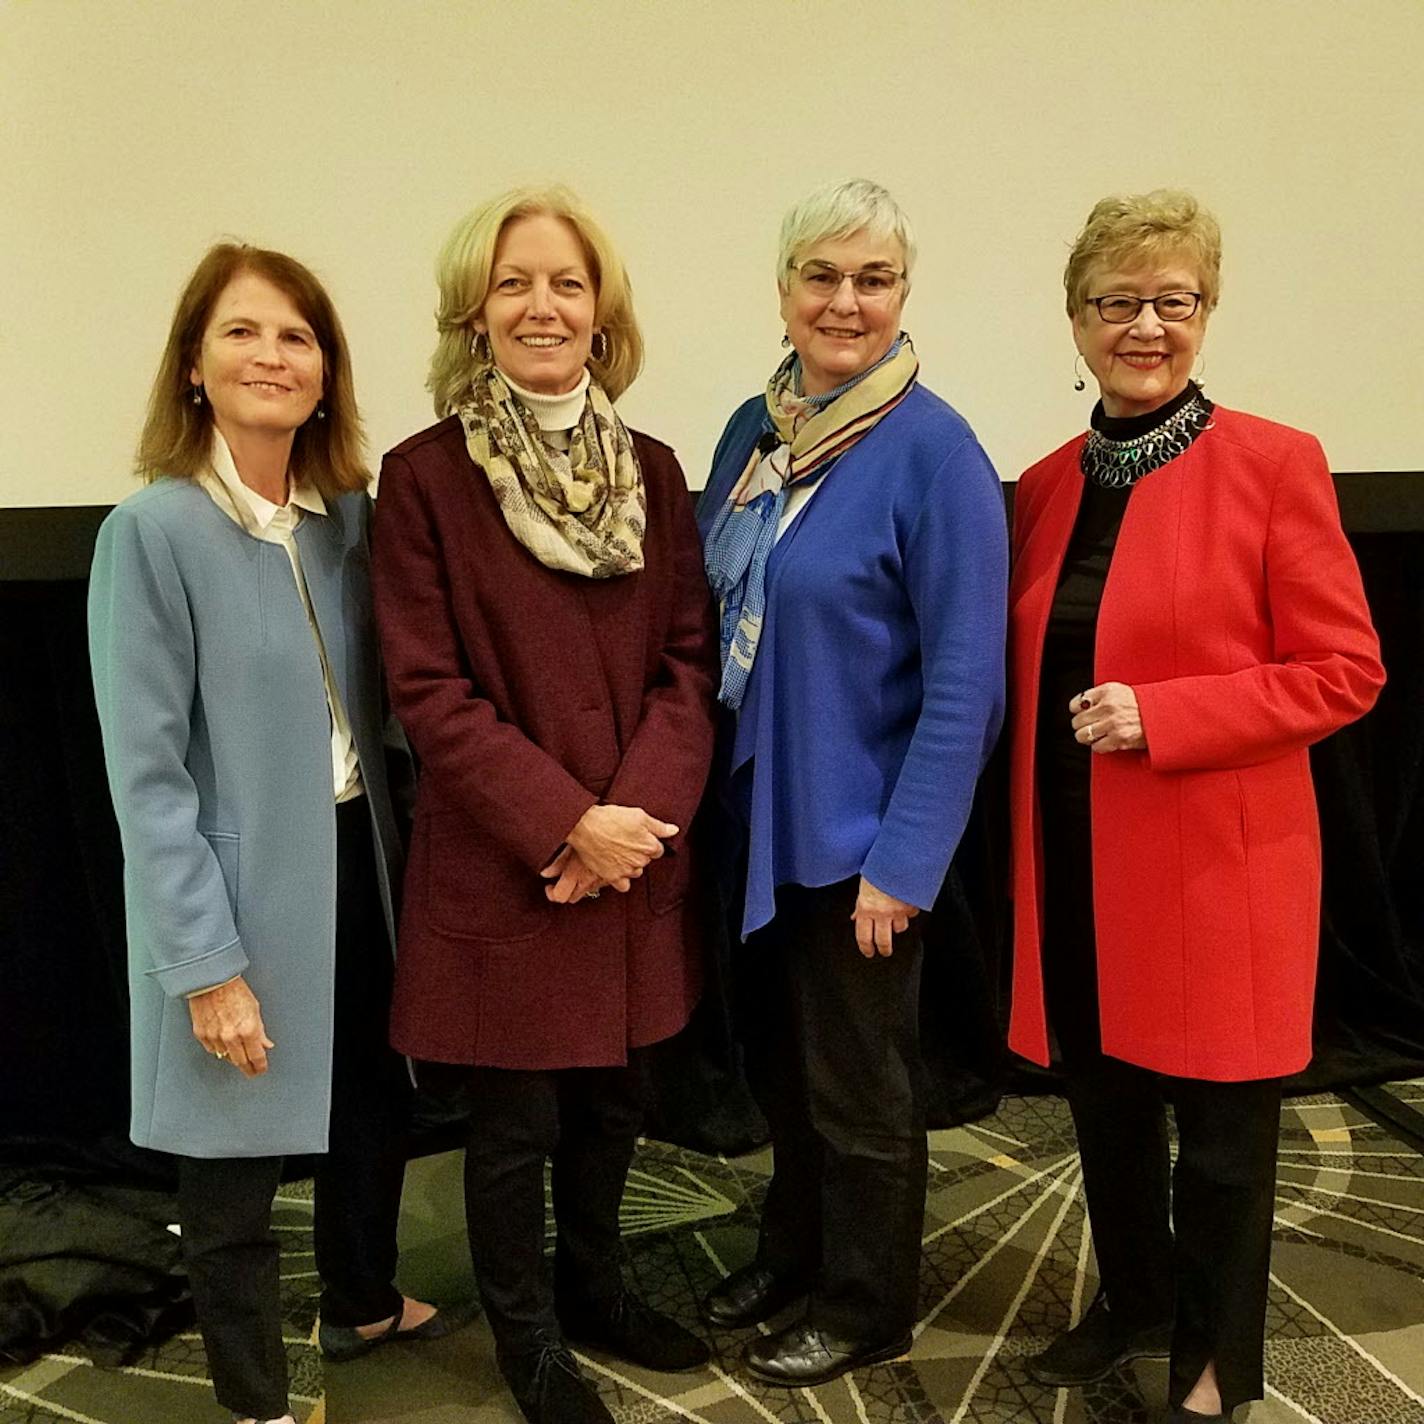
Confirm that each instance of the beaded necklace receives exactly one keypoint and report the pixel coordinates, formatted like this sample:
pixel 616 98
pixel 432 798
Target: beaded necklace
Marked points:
pixel 1117 464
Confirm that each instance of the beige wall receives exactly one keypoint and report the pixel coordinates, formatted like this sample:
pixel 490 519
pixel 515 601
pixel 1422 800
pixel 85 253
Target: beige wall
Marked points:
pixel 352 134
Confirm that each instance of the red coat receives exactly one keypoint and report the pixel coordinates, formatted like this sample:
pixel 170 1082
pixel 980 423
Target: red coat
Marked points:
pixel 1233 608
pixel 529 695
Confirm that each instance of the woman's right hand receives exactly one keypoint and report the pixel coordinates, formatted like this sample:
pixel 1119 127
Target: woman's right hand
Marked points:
pixel 616 842
pixel 227 1021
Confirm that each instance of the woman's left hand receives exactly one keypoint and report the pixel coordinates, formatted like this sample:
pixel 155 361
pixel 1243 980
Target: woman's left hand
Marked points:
pixel 1106 718
pixel 574 881
pixel 878 918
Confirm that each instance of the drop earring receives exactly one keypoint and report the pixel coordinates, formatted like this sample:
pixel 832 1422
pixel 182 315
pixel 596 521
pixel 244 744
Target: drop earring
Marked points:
pixel 1200 368
pixel 480 347
pixel 786 338
pixel 197 395
pixel 1080 384
pixel 598 347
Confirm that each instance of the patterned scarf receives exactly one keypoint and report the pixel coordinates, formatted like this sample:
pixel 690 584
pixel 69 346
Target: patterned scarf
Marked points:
pixel 741 538
pixel 584 512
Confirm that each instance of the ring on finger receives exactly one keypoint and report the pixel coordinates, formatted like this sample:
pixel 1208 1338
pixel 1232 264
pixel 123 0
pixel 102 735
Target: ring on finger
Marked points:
pixel 219 1054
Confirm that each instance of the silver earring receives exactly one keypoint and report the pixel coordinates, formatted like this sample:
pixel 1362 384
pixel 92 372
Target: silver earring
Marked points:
pixel 786 338
pixel 1201 368
pixel 1080 384
pixel 320 411
pixel 480 347
pixel 197 395
pixel 598 347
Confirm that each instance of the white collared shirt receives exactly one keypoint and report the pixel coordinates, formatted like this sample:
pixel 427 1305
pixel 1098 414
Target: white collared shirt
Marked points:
pixel 277 524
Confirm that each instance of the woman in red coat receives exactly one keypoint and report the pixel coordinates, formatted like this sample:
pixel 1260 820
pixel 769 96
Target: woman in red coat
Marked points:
pixel 1186 619
pixel 551 651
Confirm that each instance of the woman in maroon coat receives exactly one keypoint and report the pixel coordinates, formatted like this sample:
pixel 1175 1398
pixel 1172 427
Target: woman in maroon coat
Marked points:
pixel 551 651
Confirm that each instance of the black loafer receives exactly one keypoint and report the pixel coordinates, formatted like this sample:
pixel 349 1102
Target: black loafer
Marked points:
pixel 632 1330
pixel 802 1355
pixel 340 1343
pixel 748 1296
pixel 1096 1346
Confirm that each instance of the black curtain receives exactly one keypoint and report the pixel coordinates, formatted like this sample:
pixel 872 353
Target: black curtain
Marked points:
pixel 63 1058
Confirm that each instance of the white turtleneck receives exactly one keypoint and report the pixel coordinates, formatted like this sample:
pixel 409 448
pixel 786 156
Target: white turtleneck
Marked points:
pixel 556 416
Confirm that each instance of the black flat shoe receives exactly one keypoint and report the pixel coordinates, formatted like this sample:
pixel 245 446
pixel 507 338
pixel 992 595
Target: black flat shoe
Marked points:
pixel 748 1296
pixel 632 1330
pixel 1096 1346
pixel 801 1355
pixel 1190 1416
pixel 340 1343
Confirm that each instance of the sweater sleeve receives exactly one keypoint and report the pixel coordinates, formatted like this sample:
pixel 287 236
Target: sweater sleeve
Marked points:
pixel 143 655
pixel 664 768
pixel 1326 669
pixel 510 787
pixel 956 577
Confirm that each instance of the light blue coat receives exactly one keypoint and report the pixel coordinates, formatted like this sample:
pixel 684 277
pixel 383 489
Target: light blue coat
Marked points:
pixel 218 745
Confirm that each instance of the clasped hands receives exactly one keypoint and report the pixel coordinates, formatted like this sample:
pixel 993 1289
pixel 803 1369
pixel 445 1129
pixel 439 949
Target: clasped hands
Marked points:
pixel 610 846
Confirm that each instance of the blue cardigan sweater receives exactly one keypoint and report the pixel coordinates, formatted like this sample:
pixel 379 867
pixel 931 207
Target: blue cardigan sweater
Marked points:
pixel 878 688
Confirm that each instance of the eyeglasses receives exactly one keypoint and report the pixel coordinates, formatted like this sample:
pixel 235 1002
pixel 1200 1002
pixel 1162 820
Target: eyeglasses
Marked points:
pixel 1170 306
pixel 870 283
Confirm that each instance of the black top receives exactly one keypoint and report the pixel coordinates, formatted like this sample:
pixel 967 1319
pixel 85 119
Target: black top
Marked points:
pixel 1064 764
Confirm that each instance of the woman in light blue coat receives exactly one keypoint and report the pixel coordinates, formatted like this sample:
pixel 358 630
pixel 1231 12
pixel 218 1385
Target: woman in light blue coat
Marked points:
pixel 238 689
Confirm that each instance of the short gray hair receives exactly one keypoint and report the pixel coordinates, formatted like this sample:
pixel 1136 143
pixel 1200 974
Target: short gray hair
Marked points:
pixel 857 205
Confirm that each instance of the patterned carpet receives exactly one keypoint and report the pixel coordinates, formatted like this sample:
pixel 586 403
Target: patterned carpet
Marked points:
pixel 1007 1264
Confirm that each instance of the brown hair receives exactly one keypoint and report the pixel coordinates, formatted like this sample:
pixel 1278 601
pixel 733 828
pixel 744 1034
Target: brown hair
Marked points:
pixel 1139 229
pixel 462 272
pixel 177 434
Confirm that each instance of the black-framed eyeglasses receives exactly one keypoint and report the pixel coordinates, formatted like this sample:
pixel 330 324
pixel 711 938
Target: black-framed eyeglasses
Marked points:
pixel 871 283
pixel 1170 306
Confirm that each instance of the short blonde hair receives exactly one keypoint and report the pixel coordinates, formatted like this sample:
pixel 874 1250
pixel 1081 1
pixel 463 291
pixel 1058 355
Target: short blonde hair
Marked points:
pixel 177 435
pixel 462 272
pixel 1140 229
pixel 857 205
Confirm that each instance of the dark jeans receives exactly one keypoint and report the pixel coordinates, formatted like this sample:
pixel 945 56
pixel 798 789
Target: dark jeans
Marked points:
pixel 833 1055
pixel 584 1122
pixel 225 1204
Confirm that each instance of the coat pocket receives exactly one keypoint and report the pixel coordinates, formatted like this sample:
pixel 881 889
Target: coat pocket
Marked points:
pixel 474 889
pixel 226 846
pixel 668 880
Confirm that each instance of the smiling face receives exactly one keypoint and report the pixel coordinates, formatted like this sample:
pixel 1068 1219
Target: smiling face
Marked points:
pixel 840 336
pixel 259 361
pixel 540 306
pixel 1143 363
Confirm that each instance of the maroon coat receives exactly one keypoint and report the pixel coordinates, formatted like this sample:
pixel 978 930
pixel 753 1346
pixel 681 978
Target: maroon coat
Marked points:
pixel 529 695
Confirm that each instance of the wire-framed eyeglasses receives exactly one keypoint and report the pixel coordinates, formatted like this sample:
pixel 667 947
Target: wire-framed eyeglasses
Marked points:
pixel 1170 306
pixel 870 283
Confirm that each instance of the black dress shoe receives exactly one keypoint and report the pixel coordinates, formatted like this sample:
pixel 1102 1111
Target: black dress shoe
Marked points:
pixel 748 1296
pixel 1183 1415
pixel 548 1385
pixel 802 1355
pixel 1097 1345
pixel 632 1330
pixel 340 1343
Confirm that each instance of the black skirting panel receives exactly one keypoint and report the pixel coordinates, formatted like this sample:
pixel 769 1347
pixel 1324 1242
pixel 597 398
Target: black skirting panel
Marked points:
pixel 63 1055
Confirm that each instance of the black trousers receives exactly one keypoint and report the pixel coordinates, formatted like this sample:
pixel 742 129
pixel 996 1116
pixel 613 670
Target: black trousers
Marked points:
pixel 1191 1244
pixel 833 1056
pixel 225 1204
pixel 584 1122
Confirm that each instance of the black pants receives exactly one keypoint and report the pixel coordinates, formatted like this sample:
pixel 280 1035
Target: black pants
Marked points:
pixel 225 1204
pixel 1190 1244
pixel 833 1055
pixel 584 1122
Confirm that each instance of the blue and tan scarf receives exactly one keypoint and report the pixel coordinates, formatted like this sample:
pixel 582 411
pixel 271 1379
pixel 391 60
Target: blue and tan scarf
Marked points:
pixel 819 430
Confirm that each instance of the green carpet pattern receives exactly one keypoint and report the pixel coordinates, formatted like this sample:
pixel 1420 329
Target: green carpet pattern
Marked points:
pixel 1007 1264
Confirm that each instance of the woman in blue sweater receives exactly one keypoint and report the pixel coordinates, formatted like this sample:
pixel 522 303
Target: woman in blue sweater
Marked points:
pixel 854 535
